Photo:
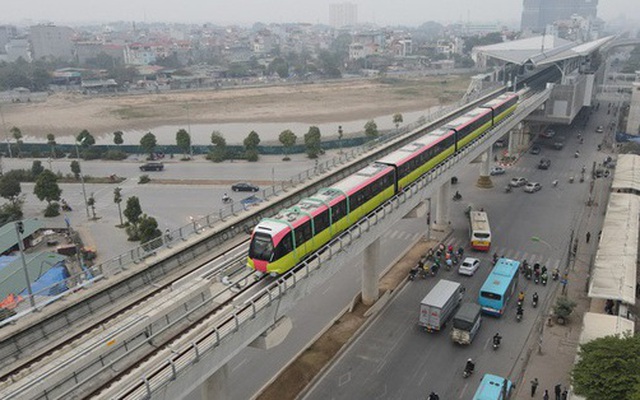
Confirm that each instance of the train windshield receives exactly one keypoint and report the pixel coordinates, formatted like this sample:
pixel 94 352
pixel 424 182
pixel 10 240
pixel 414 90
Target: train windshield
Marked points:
pixel 261 247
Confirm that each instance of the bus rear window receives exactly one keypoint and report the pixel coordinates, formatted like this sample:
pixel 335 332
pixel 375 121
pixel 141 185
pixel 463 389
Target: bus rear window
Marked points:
pixel 481 235
pixel 492 296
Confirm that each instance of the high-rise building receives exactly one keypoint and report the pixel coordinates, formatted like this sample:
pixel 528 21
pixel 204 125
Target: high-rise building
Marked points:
pixel 343 14
pixel 537 14
pixel 51 42
pixel 7 32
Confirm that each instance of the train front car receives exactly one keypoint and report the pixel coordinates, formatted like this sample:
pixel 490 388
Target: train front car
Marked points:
pixel 471 125
pixel 280 243
pixel 502 106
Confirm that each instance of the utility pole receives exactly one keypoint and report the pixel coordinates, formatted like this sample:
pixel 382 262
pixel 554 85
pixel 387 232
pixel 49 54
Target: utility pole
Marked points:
pixel 19 225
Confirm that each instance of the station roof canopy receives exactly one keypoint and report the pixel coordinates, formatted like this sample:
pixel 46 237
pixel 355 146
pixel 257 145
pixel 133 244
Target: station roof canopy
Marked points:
pixel 540 50
pixel 627 174
pixel 614 269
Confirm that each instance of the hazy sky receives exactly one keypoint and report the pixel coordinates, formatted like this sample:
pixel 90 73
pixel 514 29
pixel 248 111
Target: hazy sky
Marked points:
pixel 383 12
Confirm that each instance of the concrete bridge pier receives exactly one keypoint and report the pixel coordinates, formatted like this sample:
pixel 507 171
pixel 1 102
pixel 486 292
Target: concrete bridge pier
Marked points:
pixel 217 385
pixel 518 139
pixel 370 273
pixel 484 181
pixel 441 222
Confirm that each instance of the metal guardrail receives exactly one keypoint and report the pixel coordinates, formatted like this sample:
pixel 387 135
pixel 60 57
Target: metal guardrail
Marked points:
pixel 182 358
pixel 121 263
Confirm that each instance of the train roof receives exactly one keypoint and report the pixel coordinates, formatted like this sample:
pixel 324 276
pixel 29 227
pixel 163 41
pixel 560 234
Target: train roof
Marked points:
pixel 309 205
pixel 472 115
pixel 409 150
pixel 499 100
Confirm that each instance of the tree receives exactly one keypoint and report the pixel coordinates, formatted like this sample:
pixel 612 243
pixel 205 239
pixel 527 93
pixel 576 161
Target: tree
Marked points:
pixel 148 143
pixel 36 168
pixel 312 140
pixel 148 228
pixel 183 140
pixel 563 308
pixel 10 188
pixel 46 187
pixel 91 202
pixel 251 143
pixel 133 211
pixel 17 135
pixel 117 198
pixel 219 152
pixel 278 66
pixel 85 139
pixel 75 169
pixel 288 139
pixel 117 138
pixel 371 129
pixel 51 141
pixel 397 119
pixel 608 369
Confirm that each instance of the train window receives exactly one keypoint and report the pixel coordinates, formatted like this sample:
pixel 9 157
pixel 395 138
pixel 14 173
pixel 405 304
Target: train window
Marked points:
pixel 338 210
pixel 321 221
pixel 284 247
pixel 303 233
pixel 261 247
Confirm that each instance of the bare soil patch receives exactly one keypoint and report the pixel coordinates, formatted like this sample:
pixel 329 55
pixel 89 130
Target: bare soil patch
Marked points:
pixel 66 114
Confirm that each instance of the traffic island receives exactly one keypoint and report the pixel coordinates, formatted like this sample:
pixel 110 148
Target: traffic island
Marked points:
pixel 484 182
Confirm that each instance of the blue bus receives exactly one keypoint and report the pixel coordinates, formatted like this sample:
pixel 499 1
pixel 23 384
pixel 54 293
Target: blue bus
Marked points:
pixel 499 287
pixel 493 387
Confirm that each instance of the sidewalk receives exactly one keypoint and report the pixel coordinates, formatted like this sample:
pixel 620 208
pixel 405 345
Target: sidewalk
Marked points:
pixel 551 359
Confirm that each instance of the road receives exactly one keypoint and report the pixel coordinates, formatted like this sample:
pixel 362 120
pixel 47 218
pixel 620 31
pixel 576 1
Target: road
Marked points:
pixel 393 359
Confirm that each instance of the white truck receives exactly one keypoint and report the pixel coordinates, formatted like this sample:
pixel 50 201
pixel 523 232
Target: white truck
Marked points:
pixel 439 305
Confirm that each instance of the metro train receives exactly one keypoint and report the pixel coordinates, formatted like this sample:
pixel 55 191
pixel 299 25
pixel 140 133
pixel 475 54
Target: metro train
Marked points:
pixel 281 242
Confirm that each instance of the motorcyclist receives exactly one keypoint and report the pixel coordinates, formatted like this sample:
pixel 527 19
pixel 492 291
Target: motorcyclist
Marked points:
pixel 225 198
pixel 497 338
pixel 519 311
pixel 470 366
pixel 495 258
pixel 460 252
pixel 433 396
pixel 521 297
pixel 535 297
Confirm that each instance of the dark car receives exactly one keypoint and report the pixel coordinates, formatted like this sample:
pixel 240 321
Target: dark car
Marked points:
pixel 244 187
pixel 152 166
pixel 544 163
pixel 558 143
pixel 535 149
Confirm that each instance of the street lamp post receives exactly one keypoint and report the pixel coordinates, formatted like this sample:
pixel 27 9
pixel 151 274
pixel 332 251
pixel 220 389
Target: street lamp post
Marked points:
pixel 340 138
pixel 189 128
pixel 84 191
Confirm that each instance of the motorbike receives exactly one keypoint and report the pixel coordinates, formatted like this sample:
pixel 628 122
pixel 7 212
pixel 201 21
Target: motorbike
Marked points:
pixel 495 258
pixel 536 279
pixel 457 196
pixel 65 206
pixel 534 303
pixel 468 370
pixel 555 275
pixel 528 273
pixel 555 183
pixel 412 274
pixel 571 179
pixel 496 342
pixel 227 200
pixel 576 154
pixel 519 315
pixel 543 279
pixel 507 189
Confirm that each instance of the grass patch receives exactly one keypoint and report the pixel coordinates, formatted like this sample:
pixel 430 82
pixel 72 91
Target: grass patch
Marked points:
pixel 133 113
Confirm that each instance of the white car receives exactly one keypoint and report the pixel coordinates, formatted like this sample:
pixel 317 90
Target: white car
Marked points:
pixel 496 171
pixel 469 266
pixel 532 187
pixel 518 181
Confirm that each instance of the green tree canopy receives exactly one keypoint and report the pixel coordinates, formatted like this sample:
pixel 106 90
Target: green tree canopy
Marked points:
pixel 217 139
pixel 85 139
pixel 397 119
pixel 288 139
pixel 17 135
pixel 278 66
pixel 312 140
pixel 148 228
pixel 75 169
pixel 117 138
pixel 609 369
pixel 371 129
pixel 219 151
pixel 133 211
pixel 10 188
pixel 148 143
pixel 36 168
pixel 51 141
pixel 252 141
pixel 46 187
pixel 183 140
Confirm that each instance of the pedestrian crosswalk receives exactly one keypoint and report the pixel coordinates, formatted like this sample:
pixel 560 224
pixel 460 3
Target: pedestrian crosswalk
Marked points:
pixel 403 235
pixel 515 254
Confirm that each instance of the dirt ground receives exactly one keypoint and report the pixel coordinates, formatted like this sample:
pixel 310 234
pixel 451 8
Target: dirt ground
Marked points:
pixel 293 379
pixel 67 113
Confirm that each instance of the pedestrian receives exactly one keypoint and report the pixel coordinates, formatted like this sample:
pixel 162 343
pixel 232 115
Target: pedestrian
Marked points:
pixel 534 386
pixel 558 390
pixel 599 235
pixel 546 395
pixel 564 281
pixel 588 236
pixel 565 394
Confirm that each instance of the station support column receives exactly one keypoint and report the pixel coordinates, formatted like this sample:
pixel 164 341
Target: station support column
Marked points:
pixel 484 181
pixel 518 139
pixel 441 222
pixel 370 273
pixel 217 385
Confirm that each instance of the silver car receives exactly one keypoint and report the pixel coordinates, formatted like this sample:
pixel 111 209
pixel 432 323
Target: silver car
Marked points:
pixel 518 181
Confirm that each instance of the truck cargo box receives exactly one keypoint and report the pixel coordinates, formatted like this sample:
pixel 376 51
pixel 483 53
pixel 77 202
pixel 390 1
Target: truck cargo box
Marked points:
pixel 439 304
